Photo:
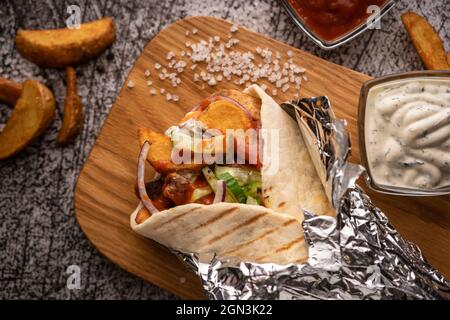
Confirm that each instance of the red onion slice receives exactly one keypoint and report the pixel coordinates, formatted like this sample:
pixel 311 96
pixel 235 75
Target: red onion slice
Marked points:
pixel 146 201
pixel 221 191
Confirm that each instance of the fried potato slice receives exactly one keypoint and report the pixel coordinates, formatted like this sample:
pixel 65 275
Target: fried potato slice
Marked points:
pixel 448 58
pixel 142 215
pixel 160 153
pixel 32 115
pixel 72 122
pixel 9 91
pixel 60 48
pixel 252 104
pixel 426 41
pixel 223 115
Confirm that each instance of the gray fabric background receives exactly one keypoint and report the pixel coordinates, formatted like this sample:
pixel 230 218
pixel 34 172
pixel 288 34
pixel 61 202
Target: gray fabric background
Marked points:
pixel 39 236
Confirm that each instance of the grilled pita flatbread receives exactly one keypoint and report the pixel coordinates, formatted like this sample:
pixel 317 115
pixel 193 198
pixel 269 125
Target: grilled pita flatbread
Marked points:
pixel 289 179
pixel 249 233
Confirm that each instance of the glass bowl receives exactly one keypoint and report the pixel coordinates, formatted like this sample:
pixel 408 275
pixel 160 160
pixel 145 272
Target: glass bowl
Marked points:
pixel 325 44
pixel 371 182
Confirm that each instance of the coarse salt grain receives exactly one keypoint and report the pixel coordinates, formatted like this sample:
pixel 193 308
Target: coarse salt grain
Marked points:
pixel 187 33
pixel 220 64
pixel 130 84
pixel 212 81
pixel 175 98
pixel 234 28
pixel 157 66
pixel 162 90
pixel 168 97
pixel 170 55
pixel 194 31
pixel 147 73
pixel 149 83
pixel 153 92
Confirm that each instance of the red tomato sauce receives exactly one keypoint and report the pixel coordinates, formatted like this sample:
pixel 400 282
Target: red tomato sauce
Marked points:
pixel 331 19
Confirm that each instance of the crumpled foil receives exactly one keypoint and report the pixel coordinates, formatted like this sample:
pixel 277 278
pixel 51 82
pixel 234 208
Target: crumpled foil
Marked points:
pixel 355 255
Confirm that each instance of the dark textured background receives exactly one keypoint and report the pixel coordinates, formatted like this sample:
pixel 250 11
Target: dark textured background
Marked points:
pixel 39 236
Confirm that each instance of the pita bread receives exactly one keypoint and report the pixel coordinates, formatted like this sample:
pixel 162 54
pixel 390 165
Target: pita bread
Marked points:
pixel 249 233
pixel 290 183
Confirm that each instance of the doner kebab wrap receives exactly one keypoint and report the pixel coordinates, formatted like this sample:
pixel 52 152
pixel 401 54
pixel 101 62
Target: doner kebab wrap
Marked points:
pixel 232 178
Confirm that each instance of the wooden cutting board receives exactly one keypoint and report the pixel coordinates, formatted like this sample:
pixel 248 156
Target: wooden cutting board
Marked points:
pixel 104 196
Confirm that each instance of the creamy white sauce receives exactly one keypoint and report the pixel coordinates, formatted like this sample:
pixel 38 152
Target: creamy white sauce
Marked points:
pixel 407 132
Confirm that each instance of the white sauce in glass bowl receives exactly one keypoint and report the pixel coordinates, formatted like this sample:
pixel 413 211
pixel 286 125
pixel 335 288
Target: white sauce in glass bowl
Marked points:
pixel 407 133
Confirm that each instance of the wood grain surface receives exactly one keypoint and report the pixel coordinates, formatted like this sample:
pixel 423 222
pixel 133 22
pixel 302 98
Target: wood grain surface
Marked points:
pixel 104 196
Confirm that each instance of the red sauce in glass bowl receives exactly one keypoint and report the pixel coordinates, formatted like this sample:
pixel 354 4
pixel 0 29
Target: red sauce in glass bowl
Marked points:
pixel 331 19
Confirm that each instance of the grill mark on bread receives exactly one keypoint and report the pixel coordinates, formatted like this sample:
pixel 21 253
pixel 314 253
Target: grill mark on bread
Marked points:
pixel 176 217
pixel 216 218
pixel 260 237
pixel 289 245
pixel 245 244
pixel 285 247
pixel 242 225
pixel 289 222
pixel 282 204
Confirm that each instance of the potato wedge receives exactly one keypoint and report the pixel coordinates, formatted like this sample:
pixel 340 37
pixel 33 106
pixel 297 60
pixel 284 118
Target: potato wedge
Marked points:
pixel 223 115
pixel 72 122
pixel 160 153
pixel 252 104
pixel 426 41
pixel 32 115
pixel 448 58
pixel 60 48
pixel 9 91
